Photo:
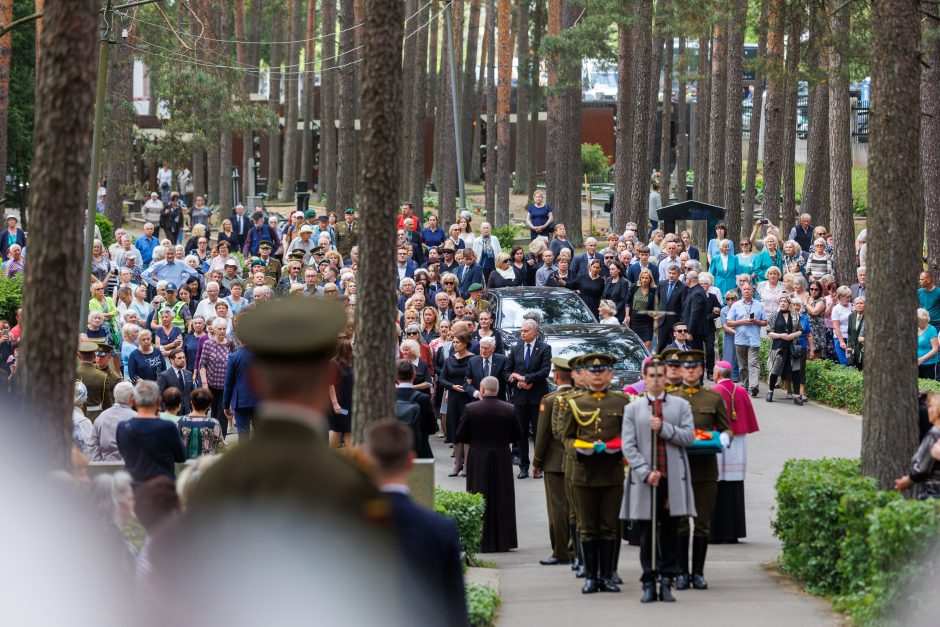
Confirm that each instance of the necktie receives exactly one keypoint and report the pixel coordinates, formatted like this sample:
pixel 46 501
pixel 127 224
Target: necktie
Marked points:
pixel 669 291
pixel 486 367
pixel 528 354
pixel 179 375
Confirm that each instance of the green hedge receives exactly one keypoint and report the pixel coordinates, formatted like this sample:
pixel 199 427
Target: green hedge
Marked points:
pixel 482 603
pixel 11 296
pixel 466 509
pixel 863 547
pixel 106 228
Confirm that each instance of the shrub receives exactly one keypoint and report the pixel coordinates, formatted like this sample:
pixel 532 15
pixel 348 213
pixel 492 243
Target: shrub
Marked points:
pixel 808 522
pixel 482 603
pixel 11 296
pixel 466 509
pixel 506 234
pixel 854 565
pixel 106 228
pixel 593 160
pixel 430 201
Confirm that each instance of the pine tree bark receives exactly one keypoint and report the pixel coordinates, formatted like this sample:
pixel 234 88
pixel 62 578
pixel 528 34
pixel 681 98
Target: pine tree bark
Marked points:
pixel 326 176
pixel 553 104
pixel 568 209
pixel 523 90
pixel 274 98
pixel 816 183
pixel 419 113
pixel 380 115
pixel 242 58
pixel 479 105
pixel 468 91
pixel 291 81
pixel 51 294
pixel 656 64
pixel 840 149
pixel 623 131
pixel 642 55
pixel 776 98
pixel 930 140
pixel 433 48
pixel 700 165
pixel 753 143
pixel 224 172
pixel 309 95
pixel 408 76
pixel 717 116
pixel 6 46
pixel 535 102
pixel 503 158
pixel 118 137
pixel 788 209
pixel 491 105
pixel 889 407
pixel 737 19
pixel 665 140
pixel 682 127
pixel 446 164
pixel 348 94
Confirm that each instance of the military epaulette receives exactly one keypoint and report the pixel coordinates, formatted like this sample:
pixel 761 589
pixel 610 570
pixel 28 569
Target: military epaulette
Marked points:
pixel 620 394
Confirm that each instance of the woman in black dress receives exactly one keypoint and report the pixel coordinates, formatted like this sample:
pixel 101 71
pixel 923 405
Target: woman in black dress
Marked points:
pixel 341 394
pixel 227 234
pixel 453 378
pixel 784 328
pixel 485 320
pixel 522 267
pixel 641 297
pixel 503 275
pixel 590 286
pixel 616 287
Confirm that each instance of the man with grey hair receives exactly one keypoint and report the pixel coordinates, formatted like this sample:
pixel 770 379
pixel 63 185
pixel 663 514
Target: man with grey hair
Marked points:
pixel 582 262
pixel 103 440
pixel 548 268
pixel 151 447
pixel 859 287
pixel 802 233
pixel 262 294
pixel 695 311
pixel 529 364
pixel 488 364
pixel 206 307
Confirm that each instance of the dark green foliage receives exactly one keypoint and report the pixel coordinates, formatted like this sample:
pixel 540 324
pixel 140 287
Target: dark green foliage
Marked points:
pixel 22 98
pixel 482 603
pixel 466 509
pixel 593 160
pixel 854 565
pixel 107 229
pixel 506 234
pixel 11 296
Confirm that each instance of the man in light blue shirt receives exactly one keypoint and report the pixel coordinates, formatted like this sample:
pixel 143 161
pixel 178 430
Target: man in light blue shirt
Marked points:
pixel 746 317
pixel 146 243
pixel 168 270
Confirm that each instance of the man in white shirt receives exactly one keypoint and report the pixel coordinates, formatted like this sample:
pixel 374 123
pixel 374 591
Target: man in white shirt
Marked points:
pixel 206 307
pixel 672 259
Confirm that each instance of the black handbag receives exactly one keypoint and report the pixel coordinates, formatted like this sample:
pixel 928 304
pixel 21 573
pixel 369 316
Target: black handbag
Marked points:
pixel 796 351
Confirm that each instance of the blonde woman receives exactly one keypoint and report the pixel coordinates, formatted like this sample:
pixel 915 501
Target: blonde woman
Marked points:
pixel 766 259
pixel 199 230
pixel 770 290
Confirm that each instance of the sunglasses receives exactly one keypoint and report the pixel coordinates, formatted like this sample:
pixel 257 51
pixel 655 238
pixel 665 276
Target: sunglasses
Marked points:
pixel 450 283
pixel 691 364
pixel 411 333
pixel 678 331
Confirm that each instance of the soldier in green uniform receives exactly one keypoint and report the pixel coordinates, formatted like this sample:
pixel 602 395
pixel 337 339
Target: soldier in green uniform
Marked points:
pixel 96 381
pixel 272 266
pixel 347 234
pixel 710 414
pixel 103 362
pixel 670 356
pixel 591 418
pixel 574 542
pixel 549 457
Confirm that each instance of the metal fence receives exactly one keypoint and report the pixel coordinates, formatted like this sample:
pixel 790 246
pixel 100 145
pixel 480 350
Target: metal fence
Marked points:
pixel 859 115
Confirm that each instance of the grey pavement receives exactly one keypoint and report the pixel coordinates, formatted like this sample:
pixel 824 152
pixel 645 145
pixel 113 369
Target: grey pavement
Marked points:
pixel 745 587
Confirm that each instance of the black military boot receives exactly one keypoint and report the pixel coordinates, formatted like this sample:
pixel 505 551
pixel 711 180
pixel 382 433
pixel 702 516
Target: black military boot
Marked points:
pixel 665 590
pixel 606 559
pixel 589 550
pixel 649 592
pixel 576 543
pixel 615 576
pixel 682 580
pixel 699 549
pixel 581 573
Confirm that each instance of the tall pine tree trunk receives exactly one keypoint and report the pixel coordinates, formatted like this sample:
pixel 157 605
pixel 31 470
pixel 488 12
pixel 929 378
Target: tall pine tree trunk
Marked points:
pixel 889 407
pixel 381 109
pixel 656 64
pixel 408 77
pixel 446 164
pixel 274 97
pixel 226 202
pixel 6 45
pixel 568 210
pixel 735 51
pixel 682 127
pixel 535 101
pixel 65 97
pixel 523 91
pixel 433 48
pixel 328 81
pixel 642 55
pixel 776 96
pixel 468 91
pixel 930 140
pixel 291 78
pixel 700 160
pixel 840 149
pixel 665 140
pixel 753 143
pixel 348 94
pixel 242 60
pixel 503 158
pixel 117 166
pixel 553 121
pixel 816 183
pixel 491 105
pixel 623 132
pixel 717 116
pixel 419 113
pixel 788 210
pixel 479 104
pixel 309 96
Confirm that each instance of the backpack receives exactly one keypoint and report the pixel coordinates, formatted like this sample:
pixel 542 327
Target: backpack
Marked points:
pixel 408 413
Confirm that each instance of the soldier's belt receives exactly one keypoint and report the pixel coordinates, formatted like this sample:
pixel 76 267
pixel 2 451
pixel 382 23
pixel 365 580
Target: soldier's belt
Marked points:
pixel 706 443
pixel 611 447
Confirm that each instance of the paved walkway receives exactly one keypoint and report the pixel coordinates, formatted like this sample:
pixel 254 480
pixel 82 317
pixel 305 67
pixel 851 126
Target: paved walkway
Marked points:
pixel 743 589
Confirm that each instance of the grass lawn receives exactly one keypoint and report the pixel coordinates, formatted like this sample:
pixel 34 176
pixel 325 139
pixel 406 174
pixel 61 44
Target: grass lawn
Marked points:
pixel 859 178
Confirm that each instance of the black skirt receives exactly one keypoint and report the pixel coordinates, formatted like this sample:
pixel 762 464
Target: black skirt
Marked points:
pixel 728 519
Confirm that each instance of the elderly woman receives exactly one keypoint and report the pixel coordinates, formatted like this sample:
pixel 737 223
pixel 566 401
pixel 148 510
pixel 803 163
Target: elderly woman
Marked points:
pixel 213 359
pixel 715 300
pixel 453 236
pixel 793 260
pixel 770 290
pixel 81 426
pixel 411 350
pixel 927 346
pixel 487 249
pixel 714 244
pixel 449 286
pixel 191 342
pixel 768 258
pixel 129 335
pixel 167 337
pixel 724 266
pixel 113 498
pixel 784 362
pixel 95 331
pixel 105 306
pixel 840 323
pixel 540 217
pixel 145 362
pixel 503 274
pixel 101 266
pixel 406 289
pixel 819 263
pixel 140 304
pixel 607 312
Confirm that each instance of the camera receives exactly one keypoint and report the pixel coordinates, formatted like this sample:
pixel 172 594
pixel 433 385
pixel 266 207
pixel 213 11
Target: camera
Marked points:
pixel 765 222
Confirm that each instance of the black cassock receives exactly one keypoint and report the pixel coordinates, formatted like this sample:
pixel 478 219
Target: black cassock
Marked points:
pixel 489 427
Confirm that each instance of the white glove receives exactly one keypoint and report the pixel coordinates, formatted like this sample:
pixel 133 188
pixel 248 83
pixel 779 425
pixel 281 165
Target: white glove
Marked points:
pixel 725 440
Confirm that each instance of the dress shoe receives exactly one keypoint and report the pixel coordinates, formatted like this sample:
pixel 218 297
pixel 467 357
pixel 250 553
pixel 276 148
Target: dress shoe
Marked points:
pixel 523 473
pixel 649 592
pixel 682 581
pixel 665 590
pixel 552 561
pixel 754 391
pixel 699 583
pixel 797 401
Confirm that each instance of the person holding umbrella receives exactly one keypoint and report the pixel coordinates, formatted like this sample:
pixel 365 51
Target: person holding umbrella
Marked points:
pixel 656 429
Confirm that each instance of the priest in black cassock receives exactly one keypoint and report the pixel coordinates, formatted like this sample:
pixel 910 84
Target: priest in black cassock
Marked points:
pixel 489 426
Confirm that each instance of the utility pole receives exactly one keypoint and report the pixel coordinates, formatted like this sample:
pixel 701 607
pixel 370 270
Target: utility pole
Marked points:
pixel 453 97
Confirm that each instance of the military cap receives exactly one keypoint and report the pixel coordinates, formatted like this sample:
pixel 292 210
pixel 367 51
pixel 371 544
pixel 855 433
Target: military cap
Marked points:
pixel 256 261
pixel 297 254
pixel 475 287
pixel 694 357
pixel 265 244
pixel 87 347
pixel 172 287
pixel 292 329
pixel 350 211
pixel 561 363
pixel 669 355
pixel 310 213
pixel 256 215
pixel 595 361
pixel 104 349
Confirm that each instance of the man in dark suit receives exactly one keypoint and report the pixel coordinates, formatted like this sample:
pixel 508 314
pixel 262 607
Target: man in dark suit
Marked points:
pixel 488 364
pixel 695 311
pixel 530 361
pixel 580 263
pixel 238 401
pixel 469 273
pixel 428 541
pixel 177 376
pixel 414 241
pixel 633 272
pixel 240 225
pixel 406 393
pixel 671 298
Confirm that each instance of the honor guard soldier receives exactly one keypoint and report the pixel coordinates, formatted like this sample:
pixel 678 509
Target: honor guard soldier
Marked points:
pixel 549 457
pixel 96 381
pixel 709 414
pixel 590 427
pixel 670 357
pixel 558 413
pixel 103 362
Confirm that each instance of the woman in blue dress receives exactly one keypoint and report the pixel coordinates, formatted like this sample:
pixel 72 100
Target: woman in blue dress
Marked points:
pixel 540 219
